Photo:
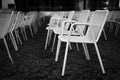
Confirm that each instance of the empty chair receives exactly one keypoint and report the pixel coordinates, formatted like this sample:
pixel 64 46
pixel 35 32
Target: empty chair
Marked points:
pixel 57 28
pixel 82 17
pixel 32 21
pixel 4 25
pixel 23 22
pixel 92 35
pixel 55 19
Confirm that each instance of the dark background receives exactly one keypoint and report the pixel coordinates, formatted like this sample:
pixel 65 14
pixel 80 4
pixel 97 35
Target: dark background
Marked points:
pixel 45 4
pixel 0 4
pixel 56 5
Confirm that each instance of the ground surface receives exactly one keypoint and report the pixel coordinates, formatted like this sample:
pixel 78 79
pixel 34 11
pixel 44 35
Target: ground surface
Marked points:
pixel 32 62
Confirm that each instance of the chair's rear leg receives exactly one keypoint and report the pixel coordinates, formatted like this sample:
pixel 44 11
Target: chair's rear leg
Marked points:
pixel 99 57
pixel 86 51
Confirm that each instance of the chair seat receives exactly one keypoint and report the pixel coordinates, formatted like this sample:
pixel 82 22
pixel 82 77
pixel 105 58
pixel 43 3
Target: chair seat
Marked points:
pixel 50 28
pixel 75 39
pixel 57 30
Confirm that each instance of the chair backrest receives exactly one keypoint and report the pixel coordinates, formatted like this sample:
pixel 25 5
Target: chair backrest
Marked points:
pixel 96 24
pixel 20 20
pixel 31 17
pixel 54 20
pixel 110 16
pixel 70 14
pixel 4 23
pixel 12 20
pixel 83 18
pixel 62 14
pixel 69 17
pixel 35 16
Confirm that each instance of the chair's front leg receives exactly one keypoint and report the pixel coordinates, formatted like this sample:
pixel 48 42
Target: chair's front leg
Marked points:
pixel 104 34
pixel 8 50
pixel 58 50
pixel 50 35
pixel 54 42
pixel 30 27
pixel 65 59
pixel 77 47
pixel 47 39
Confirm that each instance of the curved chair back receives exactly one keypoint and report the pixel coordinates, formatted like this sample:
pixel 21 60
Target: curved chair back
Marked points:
pixel 96 24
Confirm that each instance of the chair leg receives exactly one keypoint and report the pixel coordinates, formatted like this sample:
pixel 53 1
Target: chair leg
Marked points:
pixel 46 43
pixel 58 50
pixel 39 24
pixel 8 50
pixel 70 46
pixel 111 26
pixel 22 33
pixel 36 28
pixel 17 40
pixel 25 34
pixel 54 42
pixel 86 51
pixel 65 59
pixel 18 37
pixel 99 57
pixel 31 30
pixel 13 40
pixel 117 29
pixel 50 35
pixel 77 47
pixel 104 34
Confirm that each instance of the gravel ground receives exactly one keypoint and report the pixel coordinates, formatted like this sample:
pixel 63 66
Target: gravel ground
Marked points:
pixel 32 62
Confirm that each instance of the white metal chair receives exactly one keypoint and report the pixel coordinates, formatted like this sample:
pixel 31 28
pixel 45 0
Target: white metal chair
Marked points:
pixel 92 35
pixel 23 21
pixel 55 26
pixel 83 17
pixel 32 21
pixel 53 23
pixel 4 25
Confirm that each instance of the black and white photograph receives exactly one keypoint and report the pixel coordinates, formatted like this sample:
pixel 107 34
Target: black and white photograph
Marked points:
pixel 59 39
